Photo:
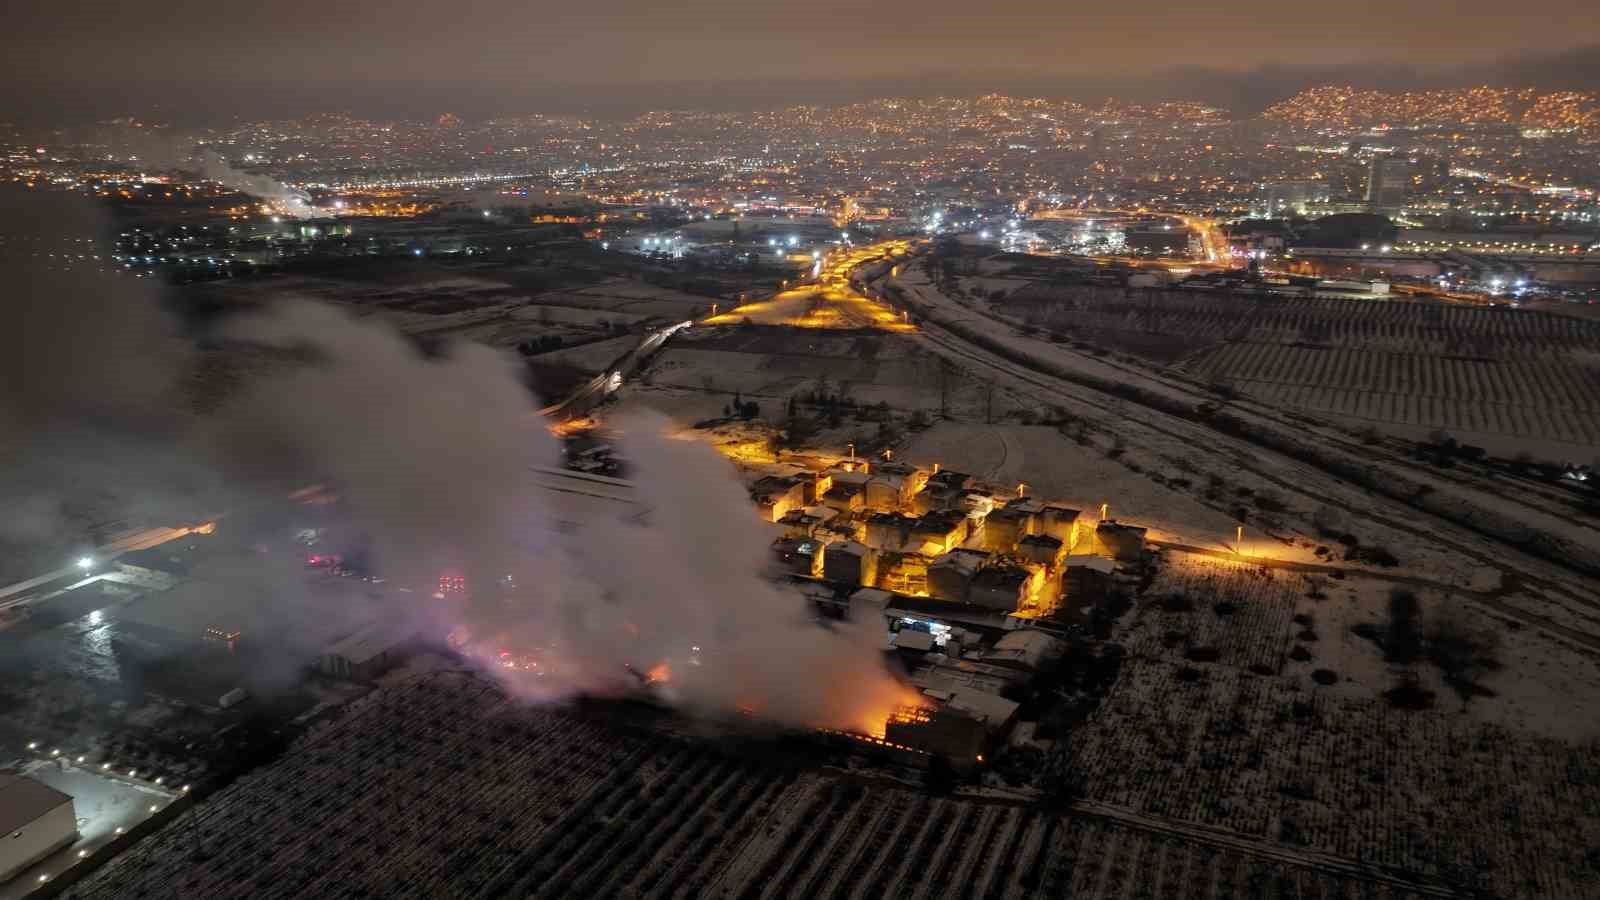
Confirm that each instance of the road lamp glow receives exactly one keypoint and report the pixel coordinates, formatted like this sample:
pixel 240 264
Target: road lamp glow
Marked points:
pixel 85 563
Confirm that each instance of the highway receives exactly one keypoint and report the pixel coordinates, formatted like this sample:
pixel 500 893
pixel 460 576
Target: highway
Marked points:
pixel 1212 240
pixel 827 299
pixel 592 392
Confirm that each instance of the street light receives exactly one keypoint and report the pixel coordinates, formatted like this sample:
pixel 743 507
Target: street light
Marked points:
pixel 85 563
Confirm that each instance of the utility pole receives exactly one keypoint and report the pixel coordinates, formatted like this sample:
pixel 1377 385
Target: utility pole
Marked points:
pixel 944 388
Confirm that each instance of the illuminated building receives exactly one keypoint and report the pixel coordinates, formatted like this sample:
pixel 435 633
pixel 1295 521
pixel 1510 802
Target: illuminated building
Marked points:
pixel 800 556
pixel 1388 182
pixel 1123 543
pixel 950 576
pixel 1006 588
pixel 1087 579
pixel 1289 198
pixel 849 562
pixel 776 495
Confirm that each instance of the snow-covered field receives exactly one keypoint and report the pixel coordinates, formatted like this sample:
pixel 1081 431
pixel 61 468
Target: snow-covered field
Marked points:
pixel 443 787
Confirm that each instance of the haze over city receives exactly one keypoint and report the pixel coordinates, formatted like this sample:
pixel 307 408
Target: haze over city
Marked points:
pixel 750 451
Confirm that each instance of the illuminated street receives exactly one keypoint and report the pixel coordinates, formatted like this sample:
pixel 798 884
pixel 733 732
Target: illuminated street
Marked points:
pixel 826 298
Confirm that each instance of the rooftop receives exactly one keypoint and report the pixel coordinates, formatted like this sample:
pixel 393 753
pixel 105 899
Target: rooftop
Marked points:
pixel 24 800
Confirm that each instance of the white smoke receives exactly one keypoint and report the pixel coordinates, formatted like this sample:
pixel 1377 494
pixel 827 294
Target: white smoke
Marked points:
pixel 155 149
pixel 291 201
pixel 432 457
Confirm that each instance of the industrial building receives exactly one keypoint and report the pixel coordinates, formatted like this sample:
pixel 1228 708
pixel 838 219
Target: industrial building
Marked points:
pixel 36 820
pixel 368 653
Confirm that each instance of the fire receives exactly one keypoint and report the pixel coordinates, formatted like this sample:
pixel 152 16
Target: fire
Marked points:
pixel 903 705
pixel 660 674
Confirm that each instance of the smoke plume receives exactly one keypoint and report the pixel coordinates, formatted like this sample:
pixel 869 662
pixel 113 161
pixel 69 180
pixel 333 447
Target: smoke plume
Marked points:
pixel 291 201
pixel 431 457
pixel 156 149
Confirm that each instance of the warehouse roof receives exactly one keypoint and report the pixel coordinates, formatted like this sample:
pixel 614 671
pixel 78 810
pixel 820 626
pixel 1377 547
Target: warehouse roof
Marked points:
pixel 23 801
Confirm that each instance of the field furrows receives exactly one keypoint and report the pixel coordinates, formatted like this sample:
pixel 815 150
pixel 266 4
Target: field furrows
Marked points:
pixel 1217 611
pixel 1552 398
pixel 1252 755
pixel 447 788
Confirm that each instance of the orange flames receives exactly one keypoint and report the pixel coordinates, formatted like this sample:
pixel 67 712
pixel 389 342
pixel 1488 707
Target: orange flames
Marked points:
pixel 659 674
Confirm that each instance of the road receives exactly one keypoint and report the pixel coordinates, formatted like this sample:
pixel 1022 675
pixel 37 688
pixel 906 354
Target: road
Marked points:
pixel 592 392
pixel 947 329
pixel 1212 240
pixel 24 592
pixel 827 299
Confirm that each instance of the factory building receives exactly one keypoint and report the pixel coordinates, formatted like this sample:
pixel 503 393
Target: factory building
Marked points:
pixel 36 820
pixel 947 732
pixel 1026 649
pixel 368 653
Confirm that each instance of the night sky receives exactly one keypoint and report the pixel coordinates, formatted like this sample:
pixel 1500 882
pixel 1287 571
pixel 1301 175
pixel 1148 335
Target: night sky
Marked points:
pixel 216 56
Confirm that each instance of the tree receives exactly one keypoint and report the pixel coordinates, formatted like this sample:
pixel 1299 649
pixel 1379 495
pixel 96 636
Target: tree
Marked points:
pixel 1402 642
pixel 1462 653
